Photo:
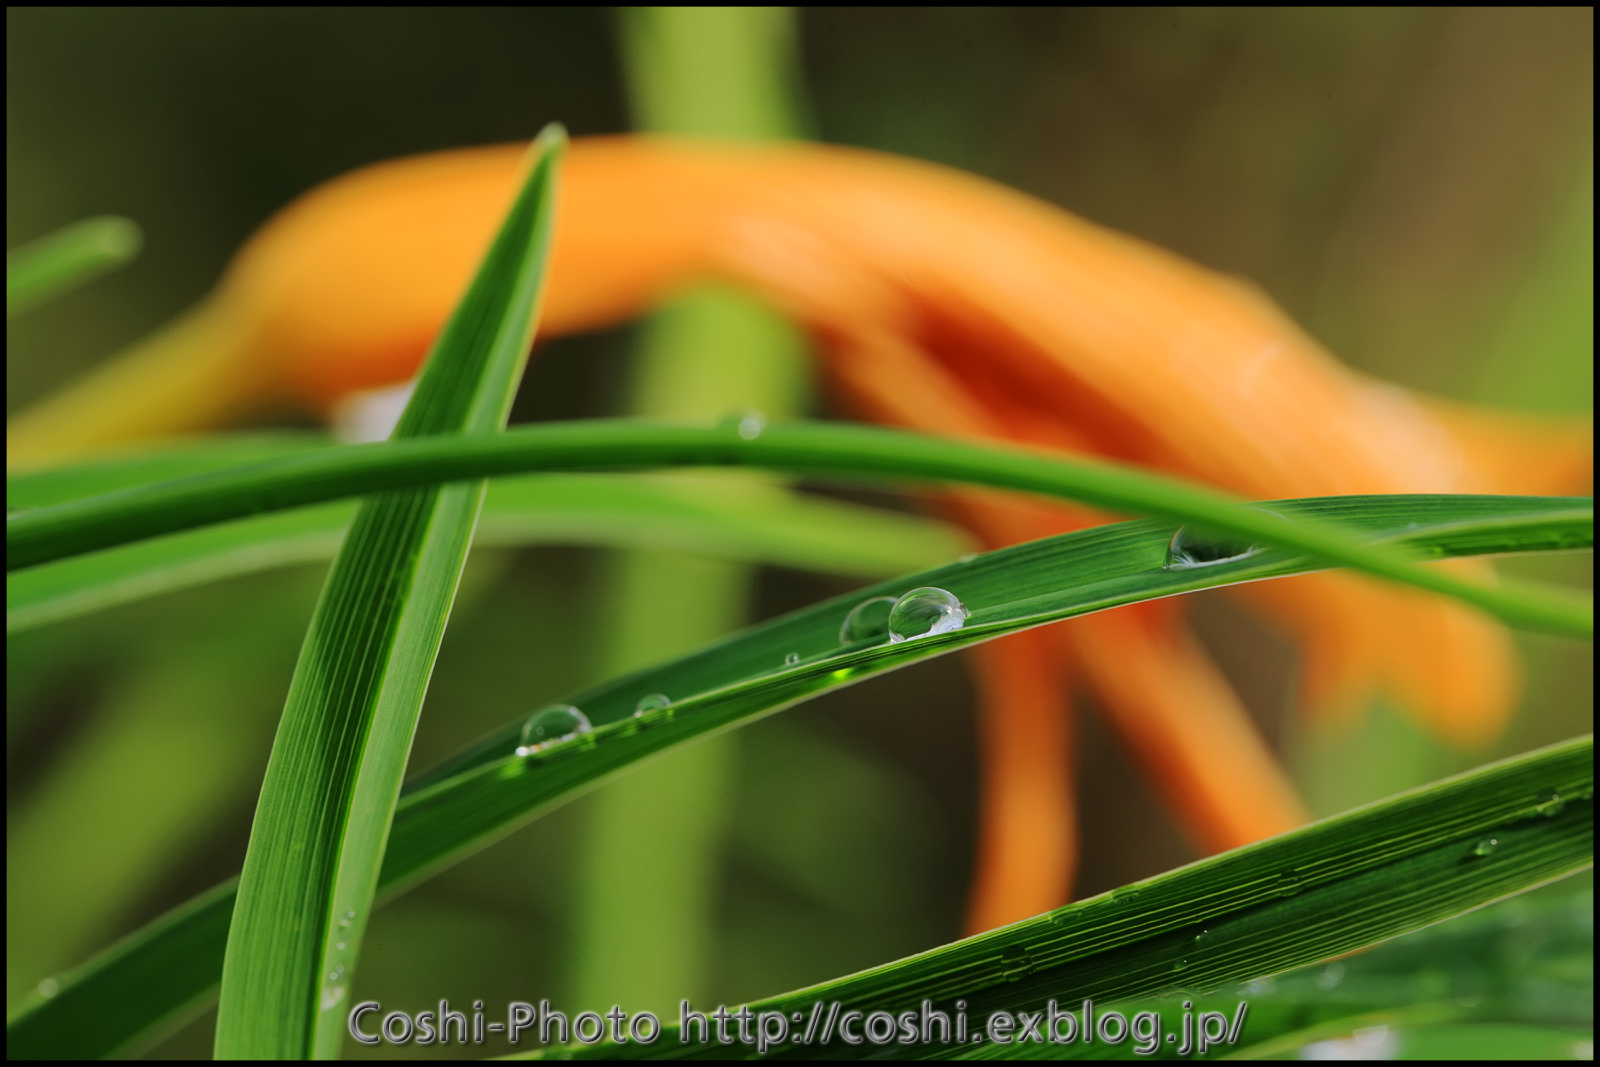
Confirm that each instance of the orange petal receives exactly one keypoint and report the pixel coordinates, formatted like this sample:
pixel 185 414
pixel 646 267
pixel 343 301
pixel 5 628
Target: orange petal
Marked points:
pixel 1184 724
pixel 1028 833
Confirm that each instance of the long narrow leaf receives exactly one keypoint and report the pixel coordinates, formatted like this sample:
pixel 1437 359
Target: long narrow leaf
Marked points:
pixel 784 529
pixel 328 797
pixel 485 792
pixel 46 534
pixel 66 259
pixel 1335 886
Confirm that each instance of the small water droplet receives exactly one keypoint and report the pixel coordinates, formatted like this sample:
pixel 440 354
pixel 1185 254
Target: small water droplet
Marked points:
pixel 1200 938
pixel 868 620
pixel 339 947
pixel 791 659
pixel 1288 884
pixel 1330 977
pixel 331 997
pixel 1180 965
pixel 1194 546
pixel 1125 894
pixel 1485 846
pixel 746 422
pixel 551 726
pixel 653 702
pixel 49 987
pixel 968 558
pixel 1550 804
pixel 336 974
pixel 1015 963
pixel 924 612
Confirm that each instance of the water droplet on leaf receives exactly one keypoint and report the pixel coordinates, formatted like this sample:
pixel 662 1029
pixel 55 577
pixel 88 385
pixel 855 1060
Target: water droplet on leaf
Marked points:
pixel 1195 546
pixel 1550 804
pixel 924 612
pixel 49 987
pixel 867 621
pixel 1485 846
pixel 551 726
pixel 331 997
pixel 653 702
pixel 746 422
pixel 1015 963
pixel 791 659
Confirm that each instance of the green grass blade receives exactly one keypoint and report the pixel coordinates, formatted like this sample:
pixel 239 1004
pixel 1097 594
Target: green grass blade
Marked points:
pixel 1526 961
pixel 1335 886
pixel 46 534
pixel 619 511
pixel 484 792
pixel 784 529
pixel 66 259
pixel 321 824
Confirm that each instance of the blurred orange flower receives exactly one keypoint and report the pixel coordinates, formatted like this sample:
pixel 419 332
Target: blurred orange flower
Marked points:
pixel 944 303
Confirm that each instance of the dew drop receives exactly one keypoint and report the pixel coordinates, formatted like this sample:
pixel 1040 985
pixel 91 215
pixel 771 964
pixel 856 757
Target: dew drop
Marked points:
pixel 746 422
pixel 791 659
pixel 1180 965
pixel 336 974
pixel 1200 938
pixel 49 987
pixel 653 702
pixel 339 947
pixel 331 997
pixel 1485 846
pixel 968 558
pixel 1288 884
pixel 1550 804
pixel 924 612
pixel 1330 977
pixel 551 726
pixel 1015 963
pixel 867 621
pixel 1193 546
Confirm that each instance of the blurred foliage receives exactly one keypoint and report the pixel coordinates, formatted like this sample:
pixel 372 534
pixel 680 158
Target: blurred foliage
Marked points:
pixel 1415 186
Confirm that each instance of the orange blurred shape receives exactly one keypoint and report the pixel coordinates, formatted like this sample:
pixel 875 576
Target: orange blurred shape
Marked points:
pixel 948 304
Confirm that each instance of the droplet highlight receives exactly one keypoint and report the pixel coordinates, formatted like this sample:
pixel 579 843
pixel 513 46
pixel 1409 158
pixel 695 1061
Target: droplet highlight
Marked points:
pixel 867 621
pixel 924 612
pixel 551 726
pixel 1486 846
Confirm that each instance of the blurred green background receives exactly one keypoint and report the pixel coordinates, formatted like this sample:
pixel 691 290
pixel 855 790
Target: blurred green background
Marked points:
pixel 1414 186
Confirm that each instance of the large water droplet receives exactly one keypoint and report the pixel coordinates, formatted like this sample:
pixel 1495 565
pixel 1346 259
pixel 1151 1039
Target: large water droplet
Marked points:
pixel 867 621
pixel 1195 546
pixel 653 702
pixel 331 996
pixel 1550 804
pixel 1486 846
pixel 49 987
pixel 551 726
pixel 924 612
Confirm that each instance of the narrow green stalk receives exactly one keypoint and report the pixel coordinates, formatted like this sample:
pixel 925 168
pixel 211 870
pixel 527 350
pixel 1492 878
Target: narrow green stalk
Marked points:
pixel 720 72
pixel 322 822
pixel 46 534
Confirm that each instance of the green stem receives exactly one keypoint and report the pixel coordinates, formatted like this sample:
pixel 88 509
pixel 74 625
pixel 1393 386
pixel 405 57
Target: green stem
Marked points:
pixel 46 534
